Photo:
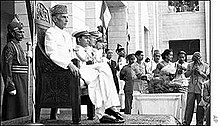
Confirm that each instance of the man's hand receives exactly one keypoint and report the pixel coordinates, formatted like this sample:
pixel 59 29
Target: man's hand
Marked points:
pixel 73 69
pixel 12 92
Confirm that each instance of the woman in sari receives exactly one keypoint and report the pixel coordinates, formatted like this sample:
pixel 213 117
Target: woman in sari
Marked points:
pixel 164 73
pixel 166 67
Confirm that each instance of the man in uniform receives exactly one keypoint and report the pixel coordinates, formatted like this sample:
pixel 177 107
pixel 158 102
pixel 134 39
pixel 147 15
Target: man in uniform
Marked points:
pixel 14 72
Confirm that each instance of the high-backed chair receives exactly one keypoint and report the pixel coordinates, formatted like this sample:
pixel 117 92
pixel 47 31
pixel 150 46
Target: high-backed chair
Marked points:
pixel 56 87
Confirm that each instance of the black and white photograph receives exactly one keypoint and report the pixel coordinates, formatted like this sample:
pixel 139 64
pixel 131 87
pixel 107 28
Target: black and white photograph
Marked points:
pixel 109 62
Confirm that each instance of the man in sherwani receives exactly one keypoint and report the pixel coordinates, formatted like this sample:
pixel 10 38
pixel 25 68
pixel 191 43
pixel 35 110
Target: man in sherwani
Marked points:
pixel 113 66
pixel 59 45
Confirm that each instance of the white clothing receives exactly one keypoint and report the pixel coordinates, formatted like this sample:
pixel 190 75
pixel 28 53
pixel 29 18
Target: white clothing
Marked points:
pixel 59 46
pixel 98 55
pixel 169 68
pixel 181 78
pixel 101 86
pixel 94 54
pixel 150 66
pixel 121 63
pixel 171 9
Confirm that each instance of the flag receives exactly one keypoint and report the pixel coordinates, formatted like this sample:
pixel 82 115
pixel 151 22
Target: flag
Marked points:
pixel 128 33
pixel 105 15
pixel 30 16
pixel 152 52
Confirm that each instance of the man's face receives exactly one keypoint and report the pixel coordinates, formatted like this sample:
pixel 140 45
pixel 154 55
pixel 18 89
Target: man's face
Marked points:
pixel 121 53
pixel 99 45
pixel 197 58
pixel 169 57
pixel 18 34
pixel 132 59
pixel 61 20
pixel 84 41
pixel 181 58
pixel 140 57
pixel 109 54
pixel 156 57
pixel 92 41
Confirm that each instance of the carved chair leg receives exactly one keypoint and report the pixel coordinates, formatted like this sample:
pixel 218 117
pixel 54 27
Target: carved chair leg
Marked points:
pixel 53 113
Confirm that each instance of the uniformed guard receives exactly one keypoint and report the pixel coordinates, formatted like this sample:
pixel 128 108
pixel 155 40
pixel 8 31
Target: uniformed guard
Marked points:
pixel 14 71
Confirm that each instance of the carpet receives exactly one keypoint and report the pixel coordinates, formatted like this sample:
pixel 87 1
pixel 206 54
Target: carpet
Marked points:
pixel 135 119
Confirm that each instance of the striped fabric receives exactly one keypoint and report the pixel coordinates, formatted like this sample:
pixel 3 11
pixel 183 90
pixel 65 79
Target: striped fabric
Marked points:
pixel 19 69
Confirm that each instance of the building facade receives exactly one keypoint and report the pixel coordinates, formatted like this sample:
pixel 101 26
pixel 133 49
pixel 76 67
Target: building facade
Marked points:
pixel 150 23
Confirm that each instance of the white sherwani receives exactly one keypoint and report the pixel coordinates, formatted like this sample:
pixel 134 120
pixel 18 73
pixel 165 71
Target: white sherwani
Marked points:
pixel 59 46
pixel 101 87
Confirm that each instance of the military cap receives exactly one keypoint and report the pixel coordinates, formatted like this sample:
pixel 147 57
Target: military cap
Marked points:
pixel 80 33
pixel 58 9
pixel 96 34
pixel 15 24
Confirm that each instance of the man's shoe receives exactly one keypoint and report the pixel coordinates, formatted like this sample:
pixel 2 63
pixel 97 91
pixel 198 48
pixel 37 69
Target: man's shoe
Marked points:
pixel 117 115
pixel 106 119
pixel 109 119
pixel 120 121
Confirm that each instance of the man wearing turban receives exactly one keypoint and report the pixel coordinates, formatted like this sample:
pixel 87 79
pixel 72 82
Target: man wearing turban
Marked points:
pixel 14 72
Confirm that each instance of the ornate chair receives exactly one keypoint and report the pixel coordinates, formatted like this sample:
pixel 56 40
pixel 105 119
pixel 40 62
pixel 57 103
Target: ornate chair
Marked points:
pixel 56 87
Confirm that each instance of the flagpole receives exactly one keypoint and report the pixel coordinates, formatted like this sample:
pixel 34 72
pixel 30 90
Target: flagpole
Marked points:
pixel 33 67
pixel 127 48
pixel 34 43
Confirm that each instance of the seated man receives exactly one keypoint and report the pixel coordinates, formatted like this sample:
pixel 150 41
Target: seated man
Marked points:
pixel 99 78
pixel 59 45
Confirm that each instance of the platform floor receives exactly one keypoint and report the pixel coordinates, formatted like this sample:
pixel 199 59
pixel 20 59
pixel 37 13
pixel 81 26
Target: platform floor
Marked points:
pixel 64 118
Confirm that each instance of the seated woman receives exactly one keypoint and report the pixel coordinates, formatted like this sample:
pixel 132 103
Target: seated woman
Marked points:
pixel 99 78
pixel 164 73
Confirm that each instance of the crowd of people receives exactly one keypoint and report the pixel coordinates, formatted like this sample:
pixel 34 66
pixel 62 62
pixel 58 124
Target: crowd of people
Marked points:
pixel 113 83
pixel 183 6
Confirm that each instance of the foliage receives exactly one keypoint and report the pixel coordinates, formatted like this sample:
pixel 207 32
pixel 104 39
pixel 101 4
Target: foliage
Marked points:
pixel 163 84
